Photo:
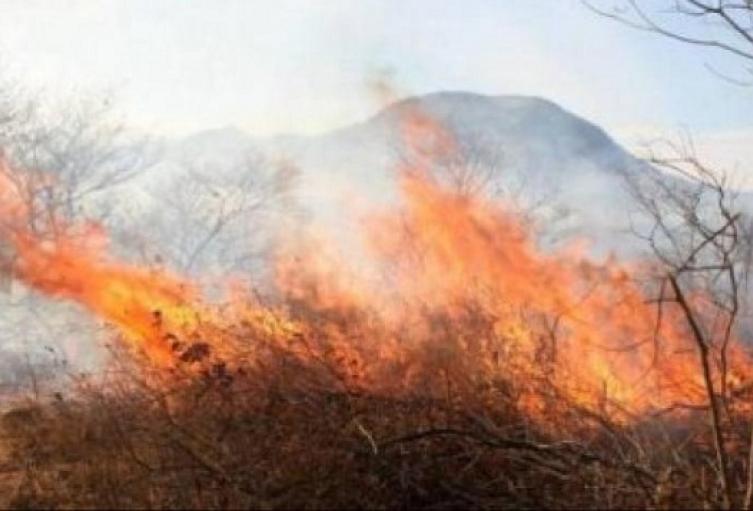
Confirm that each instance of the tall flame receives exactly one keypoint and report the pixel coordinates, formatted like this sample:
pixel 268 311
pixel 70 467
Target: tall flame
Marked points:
pixel 461 287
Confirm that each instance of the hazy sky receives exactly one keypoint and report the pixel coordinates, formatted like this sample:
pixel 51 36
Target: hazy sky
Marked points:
pixel 305 66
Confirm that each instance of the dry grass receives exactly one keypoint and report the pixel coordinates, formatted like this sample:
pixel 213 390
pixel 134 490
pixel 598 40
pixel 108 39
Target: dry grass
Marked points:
pixel 288 436
pixel 287 431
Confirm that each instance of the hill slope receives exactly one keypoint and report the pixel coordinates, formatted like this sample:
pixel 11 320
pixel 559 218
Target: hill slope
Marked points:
pixel 546 157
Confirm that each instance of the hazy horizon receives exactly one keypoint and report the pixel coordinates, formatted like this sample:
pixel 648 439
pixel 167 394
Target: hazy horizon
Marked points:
pixel 295 67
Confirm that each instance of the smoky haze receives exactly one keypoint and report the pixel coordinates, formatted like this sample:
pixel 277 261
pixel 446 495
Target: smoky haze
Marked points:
pixel 219 203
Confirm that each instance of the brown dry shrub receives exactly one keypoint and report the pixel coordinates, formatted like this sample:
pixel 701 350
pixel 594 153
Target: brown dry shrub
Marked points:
pixel 287 432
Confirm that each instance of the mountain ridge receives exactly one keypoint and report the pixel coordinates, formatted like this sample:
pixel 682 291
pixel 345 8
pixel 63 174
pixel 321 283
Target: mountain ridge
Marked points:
pixel 553 155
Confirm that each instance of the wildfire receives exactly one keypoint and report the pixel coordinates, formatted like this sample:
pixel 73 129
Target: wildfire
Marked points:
pixel 462 290
pixel 456 291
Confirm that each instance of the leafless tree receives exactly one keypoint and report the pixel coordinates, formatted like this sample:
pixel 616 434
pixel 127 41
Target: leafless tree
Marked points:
pixel 700 238
pixel 63 159
pixel 213 217
pixel 473 164
pixel 698 233
pixel 723 25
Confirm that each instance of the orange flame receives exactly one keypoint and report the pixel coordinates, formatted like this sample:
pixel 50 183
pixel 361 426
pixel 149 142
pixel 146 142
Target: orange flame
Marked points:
pixel 143 304
pixel 461 287
pixel 456 290
pixel 74 265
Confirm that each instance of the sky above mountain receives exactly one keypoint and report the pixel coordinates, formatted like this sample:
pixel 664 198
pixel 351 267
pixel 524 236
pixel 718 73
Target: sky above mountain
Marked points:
pixel 296 66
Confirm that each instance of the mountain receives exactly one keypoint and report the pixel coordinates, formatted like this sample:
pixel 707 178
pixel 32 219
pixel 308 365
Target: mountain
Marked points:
pixel 564 166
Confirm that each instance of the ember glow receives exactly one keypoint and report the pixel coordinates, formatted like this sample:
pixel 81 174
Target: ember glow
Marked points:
pixel 456 290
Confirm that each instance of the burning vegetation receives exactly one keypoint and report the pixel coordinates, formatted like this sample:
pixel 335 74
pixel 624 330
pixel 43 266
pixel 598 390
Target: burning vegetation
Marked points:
pixel 455 364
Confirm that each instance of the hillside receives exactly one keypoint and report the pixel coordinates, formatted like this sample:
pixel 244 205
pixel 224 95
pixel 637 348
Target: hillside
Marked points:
pixel 546 156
